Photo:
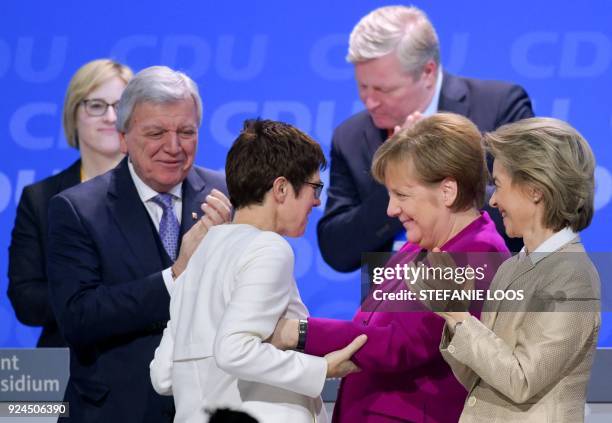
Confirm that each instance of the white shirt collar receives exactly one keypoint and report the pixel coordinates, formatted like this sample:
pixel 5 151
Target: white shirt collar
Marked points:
pixel 432 108
pixel 145 192
pixel 553 243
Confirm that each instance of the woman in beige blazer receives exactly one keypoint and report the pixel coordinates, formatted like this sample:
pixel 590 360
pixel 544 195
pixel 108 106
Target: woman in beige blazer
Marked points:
pixel 530 360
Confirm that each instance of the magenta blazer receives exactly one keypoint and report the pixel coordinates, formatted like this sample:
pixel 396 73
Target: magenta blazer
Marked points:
pixel 403 377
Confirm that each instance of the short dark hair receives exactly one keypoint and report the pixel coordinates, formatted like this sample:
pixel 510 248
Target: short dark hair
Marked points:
pixel 264 151
pixel 226 415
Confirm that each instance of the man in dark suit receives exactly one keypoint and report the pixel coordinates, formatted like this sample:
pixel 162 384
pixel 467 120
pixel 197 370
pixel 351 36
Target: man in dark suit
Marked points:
pixel 396 56
pixel 115 249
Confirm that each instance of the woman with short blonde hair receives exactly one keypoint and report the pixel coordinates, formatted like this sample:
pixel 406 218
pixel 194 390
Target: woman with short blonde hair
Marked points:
pixel 88 78
pixel 89 125
pixel 435 174
pixel 443 146
pixel 553 157
pixel 530 360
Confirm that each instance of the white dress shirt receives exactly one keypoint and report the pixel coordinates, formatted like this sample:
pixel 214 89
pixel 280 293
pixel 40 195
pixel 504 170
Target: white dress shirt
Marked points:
pixel 432 108
pixel 146 194
pixel 551 244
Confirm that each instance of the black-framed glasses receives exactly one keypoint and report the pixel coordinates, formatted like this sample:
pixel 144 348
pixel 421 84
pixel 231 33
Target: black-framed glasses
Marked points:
pixel 98 107
pixel 318 188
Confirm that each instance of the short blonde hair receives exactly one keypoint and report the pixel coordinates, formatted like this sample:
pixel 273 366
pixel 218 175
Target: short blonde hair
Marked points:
pixel 552 157
pixel 445 145
pixel 89 77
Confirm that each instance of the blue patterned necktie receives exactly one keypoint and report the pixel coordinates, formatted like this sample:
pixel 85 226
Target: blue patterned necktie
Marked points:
pixel 169 227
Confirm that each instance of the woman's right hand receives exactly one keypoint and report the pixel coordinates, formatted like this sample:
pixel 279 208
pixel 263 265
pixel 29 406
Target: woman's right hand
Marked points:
pixel 339 362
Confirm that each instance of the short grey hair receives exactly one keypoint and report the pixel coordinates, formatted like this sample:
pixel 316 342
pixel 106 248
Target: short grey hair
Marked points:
pixel 404 30
pixel 156 84
pixel 549 155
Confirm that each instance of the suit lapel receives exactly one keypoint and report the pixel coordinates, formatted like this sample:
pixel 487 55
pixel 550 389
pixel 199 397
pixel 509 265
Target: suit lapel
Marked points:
pixel 133 220
pixel 374 139
pixel 453 96
pixel 71 176
pixel 521 267
pixel 67 178
pixel 194 195
pixel 526 264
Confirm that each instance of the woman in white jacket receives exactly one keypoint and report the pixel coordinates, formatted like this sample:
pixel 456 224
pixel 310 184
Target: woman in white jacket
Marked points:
pixel 239 283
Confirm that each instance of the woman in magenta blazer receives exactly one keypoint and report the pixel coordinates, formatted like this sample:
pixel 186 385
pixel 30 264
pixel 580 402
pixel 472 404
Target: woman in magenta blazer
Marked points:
pixel 435 173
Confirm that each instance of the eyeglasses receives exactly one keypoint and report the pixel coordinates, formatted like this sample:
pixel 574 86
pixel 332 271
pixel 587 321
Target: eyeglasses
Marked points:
pixel 97 107
pixel 318 188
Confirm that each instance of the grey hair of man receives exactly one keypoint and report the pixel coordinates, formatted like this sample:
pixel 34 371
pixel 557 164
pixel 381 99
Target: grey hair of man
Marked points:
pixel 158 85
pixel 401 29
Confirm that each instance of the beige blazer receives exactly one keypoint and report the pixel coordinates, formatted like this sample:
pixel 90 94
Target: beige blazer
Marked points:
pixel 520 363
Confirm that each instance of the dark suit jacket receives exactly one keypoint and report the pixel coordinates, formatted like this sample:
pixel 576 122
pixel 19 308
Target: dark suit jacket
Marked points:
pixel 28 289
pixel 355 218
pixel 108 294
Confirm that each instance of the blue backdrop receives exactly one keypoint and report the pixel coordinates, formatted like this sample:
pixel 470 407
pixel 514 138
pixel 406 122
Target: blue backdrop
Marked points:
pixel 285 60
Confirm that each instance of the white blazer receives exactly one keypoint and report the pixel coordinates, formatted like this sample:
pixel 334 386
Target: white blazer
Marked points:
pixel 237 285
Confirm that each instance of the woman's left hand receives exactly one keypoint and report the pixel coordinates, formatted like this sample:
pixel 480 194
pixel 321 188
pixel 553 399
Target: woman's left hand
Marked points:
pixel 453 317
pixel 437 259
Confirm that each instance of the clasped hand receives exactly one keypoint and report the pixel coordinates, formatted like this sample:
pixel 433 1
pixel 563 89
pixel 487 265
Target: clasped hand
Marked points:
pixel 436 259
pixel 339 362
pixel 217 210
